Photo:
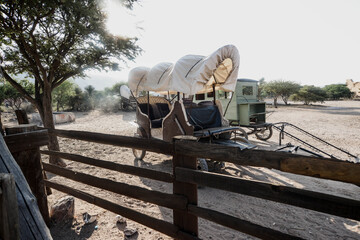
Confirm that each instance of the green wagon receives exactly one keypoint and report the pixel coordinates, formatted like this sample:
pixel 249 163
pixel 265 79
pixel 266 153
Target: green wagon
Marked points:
pixel 242 108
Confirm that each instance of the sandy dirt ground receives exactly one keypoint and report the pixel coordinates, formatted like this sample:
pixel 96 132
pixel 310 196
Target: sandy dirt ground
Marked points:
pixel 337 122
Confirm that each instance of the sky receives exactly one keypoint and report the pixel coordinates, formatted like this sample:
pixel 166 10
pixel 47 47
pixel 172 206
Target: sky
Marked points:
pixel 311 42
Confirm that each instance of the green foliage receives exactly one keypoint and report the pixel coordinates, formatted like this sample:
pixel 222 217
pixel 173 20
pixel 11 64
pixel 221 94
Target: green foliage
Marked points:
pixel 79 101
pixel 114 90
pixel 309 94
pixel 90 90
pixel 337 91
pixel 62 95
pixel 280 88
pixel 11 97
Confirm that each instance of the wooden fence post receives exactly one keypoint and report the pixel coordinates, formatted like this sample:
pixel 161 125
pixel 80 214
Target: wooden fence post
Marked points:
pixel 29 160
pixel 1 126
pixel 9 215
pixel 22 116
pixel 182 219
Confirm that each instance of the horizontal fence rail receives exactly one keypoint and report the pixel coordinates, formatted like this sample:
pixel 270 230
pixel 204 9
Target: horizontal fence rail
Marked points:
pixel 316 201
pixel 287 162
pixel 137 171
pixel 154 223
pixel 159 198
pixel 239 224
pixel 185 180
pixel 29 140
pixel 152 145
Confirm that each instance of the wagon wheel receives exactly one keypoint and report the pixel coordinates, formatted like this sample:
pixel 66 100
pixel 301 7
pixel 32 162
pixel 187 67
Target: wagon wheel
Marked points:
pixel 265 133
pixel 138 153
pixel 124 105
pixel 239 136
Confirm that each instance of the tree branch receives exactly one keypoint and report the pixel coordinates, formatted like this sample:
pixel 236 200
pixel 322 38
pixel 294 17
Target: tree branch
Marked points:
pixel 17 86
pixel 58 81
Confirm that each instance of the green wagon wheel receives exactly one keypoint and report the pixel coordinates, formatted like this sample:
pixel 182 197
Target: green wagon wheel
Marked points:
pixel 265 133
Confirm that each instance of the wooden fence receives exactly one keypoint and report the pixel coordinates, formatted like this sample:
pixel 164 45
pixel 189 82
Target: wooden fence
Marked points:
pixel 185 179
pixel 22 214
pixel 9 216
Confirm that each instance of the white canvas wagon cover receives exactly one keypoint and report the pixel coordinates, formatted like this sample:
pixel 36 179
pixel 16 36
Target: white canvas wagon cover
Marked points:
pixel 137 78
pixel 191 74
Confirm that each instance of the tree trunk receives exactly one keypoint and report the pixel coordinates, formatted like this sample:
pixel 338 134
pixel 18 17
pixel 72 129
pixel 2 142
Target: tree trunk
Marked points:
pixel 275 102
pixel 46 114
pixel 285 99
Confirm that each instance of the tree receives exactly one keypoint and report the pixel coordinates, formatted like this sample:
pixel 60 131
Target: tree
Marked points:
pixel 280 88
pixel 62 95
pixel 261 94
pixel 54 40
pixel 11 96
pixel 309 94
pixel 90 91
pixel 337 91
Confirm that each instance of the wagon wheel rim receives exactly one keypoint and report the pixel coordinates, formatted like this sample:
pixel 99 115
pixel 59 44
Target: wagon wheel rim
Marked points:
pixel 239 136
pixel 264 134
pixel 138 153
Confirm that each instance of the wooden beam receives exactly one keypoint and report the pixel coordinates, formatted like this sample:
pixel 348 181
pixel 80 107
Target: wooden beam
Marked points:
pixel 321 202
pixel 26 141
pixel 137 171
pixel 152 145
pixel 182 219
pixel 1 126
pixel 159 198
pixel 9 214
pixel 309 166
pixel 239 224
pixel 32 225
pixel 154 223
pixel 26 152
pixel 21 116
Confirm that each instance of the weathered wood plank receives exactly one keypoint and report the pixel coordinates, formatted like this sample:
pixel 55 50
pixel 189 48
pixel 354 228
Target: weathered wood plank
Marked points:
pixel 137 171
pixel 32 225
pixel 157 224
pixel 321 202
pixel 309 166
pixel 239 224
pixel 156 197
pixel 1 126
pixel 30 163
pixel 152 145
pixel 10 130
pixel 9 215
pixel 26 141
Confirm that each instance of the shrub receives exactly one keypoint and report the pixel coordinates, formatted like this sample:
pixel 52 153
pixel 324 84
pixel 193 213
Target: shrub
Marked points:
pixel 309 94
